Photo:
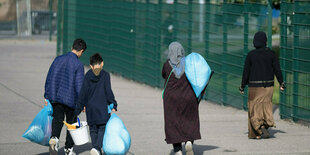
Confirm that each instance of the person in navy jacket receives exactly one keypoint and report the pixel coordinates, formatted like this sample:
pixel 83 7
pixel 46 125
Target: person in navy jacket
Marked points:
pixel 96 95
pixel 63 83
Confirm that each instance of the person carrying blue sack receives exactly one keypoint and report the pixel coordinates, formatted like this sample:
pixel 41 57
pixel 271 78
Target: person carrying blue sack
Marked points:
pixel 96 95
pixel 181 113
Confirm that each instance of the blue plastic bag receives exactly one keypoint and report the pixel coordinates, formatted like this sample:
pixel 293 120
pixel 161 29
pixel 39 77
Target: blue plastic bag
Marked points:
pixel 116 138
pixel 197 71
pixel 40 129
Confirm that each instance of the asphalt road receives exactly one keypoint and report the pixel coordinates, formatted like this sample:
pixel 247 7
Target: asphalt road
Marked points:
pixel 23 68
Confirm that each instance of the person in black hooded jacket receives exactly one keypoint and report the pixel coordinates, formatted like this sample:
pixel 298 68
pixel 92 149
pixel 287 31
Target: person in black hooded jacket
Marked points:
pixel 261 65
pixel 96 95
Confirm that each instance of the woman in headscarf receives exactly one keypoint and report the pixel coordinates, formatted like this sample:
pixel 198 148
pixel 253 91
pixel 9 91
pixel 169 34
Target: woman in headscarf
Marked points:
pixel 260 66
pixel 180 103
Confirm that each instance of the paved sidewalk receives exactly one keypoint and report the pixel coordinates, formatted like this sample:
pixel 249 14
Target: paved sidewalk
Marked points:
pixel 23 68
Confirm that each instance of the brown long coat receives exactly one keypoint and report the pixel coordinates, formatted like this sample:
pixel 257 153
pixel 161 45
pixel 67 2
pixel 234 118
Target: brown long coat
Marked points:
pixel 180 109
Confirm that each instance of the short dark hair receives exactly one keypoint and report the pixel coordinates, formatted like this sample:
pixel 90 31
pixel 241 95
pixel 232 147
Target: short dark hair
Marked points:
pixel 95 59
pixel 79 44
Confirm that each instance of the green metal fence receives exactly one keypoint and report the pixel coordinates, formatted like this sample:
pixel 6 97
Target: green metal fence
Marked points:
pixel 295 60
pixel 133 35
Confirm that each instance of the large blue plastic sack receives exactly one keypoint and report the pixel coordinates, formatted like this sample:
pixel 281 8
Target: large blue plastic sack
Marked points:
pixel 40 129
pixel 197 71
pixel 116 138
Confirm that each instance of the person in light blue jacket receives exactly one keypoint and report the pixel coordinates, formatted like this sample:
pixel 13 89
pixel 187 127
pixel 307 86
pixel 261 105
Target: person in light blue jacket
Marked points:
pixel 63 83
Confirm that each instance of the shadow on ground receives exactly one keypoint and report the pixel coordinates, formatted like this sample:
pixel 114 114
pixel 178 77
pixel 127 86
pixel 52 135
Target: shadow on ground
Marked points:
pixel 198 149
pixel 77 149
pixel 272 132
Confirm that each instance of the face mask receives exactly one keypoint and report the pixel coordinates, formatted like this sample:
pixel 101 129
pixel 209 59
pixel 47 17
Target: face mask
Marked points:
pixel 97 71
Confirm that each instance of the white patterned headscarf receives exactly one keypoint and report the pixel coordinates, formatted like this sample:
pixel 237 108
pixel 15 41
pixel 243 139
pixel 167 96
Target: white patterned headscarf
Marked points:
pixel 176 58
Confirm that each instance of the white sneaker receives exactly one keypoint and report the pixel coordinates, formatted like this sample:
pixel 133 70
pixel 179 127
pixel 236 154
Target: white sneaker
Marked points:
pixel 189 148
pixel 94 151
pixel 178 153
pixel 69 151
pixel 54 144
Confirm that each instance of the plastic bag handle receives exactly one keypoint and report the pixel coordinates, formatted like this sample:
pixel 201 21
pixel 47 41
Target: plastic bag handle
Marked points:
pixel 78 120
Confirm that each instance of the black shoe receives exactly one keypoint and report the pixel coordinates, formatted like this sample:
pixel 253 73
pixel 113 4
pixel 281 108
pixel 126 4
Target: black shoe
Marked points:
pixel 265 132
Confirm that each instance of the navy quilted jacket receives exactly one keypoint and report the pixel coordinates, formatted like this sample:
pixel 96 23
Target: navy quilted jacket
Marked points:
pixel 64 80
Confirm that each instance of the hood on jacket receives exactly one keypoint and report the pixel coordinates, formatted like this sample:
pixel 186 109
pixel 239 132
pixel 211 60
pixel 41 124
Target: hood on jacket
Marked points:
pixel 95 78
pixel 260 39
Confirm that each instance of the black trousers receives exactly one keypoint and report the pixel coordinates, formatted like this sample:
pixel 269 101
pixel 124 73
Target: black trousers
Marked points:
pixel 96 135
pixel 177 147
pixel 59 113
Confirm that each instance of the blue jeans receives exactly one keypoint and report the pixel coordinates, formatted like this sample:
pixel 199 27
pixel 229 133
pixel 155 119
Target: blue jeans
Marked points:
pixel 96 135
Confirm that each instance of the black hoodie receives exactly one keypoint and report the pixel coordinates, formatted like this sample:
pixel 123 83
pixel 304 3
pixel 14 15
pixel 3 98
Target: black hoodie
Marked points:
pixel 96 94
pixel 261 65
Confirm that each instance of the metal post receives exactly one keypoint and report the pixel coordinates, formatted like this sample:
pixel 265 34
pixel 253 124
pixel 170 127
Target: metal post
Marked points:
pixel 158 47
pixel 146 38
pixel 133 39
pixel 59 14
pixel 60 21
pixel 175 22
pixel 29 31
pixel 207 29
pixel 189 31
pixel 295 63
pixel 283 45
pixel 269 24
pixel 201 21
pixel 17 17
pixel 65 41
pixel 60 27
pixel 246 45
pixel 224 53
pixel 50 20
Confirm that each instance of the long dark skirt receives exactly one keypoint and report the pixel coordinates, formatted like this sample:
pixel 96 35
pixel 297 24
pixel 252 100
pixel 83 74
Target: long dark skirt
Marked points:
pixel 260 110
pixel 180 109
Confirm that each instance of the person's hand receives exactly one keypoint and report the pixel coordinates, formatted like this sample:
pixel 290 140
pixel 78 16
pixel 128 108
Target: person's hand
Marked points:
pixel 74 118
pixel 84 109
pixel 282 86
pixel 113 110
pixel 45 102
pixel 241 89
